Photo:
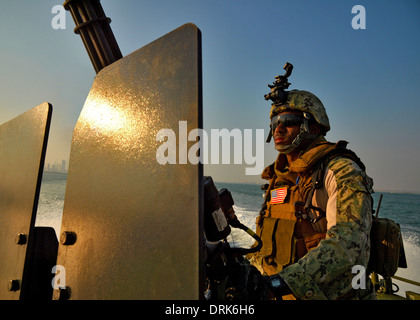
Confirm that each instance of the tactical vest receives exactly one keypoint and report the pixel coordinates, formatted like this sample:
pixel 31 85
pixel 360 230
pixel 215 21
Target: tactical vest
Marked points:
pixel 289 225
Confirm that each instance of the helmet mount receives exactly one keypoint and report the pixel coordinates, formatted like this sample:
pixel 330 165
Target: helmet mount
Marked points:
pixel 278 93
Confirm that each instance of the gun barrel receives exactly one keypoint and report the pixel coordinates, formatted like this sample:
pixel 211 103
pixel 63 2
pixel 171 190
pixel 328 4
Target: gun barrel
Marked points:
pixel 93 27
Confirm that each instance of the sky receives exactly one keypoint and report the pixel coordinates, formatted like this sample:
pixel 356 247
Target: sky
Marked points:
pixel 368 79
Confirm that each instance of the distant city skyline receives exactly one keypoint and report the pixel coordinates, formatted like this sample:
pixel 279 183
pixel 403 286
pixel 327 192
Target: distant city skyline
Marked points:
pixel 56 167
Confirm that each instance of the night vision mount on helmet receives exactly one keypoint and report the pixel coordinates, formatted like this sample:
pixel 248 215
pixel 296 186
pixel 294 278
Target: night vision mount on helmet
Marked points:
pixel 277 94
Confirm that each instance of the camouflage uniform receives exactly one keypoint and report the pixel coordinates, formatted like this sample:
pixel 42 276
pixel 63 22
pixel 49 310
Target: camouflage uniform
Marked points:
pixel 325 272
pixel 316 259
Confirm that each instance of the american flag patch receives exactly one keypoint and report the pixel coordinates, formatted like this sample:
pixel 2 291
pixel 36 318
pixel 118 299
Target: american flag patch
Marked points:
pixel 278 195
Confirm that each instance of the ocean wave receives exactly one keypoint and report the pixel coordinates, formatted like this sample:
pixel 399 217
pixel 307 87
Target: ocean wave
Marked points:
pixel 412 272
pixel 411 237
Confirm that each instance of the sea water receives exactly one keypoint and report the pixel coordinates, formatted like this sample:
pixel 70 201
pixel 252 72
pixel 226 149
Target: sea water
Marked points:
pixel 401 207
pixel 51 200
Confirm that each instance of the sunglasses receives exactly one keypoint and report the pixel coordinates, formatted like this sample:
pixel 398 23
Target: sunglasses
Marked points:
pixel 286 120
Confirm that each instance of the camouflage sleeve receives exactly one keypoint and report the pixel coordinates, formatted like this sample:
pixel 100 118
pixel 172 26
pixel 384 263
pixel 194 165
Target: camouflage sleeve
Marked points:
pixel 326 271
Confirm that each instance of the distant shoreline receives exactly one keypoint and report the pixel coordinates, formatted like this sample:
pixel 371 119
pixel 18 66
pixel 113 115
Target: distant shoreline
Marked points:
pixel 62 172
pixel 397 191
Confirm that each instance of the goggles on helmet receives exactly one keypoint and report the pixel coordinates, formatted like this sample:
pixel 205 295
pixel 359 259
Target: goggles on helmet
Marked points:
pixel 286 119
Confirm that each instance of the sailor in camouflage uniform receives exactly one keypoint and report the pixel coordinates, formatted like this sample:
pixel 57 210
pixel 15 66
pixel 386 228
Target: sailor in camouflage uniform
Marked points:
pixel 317 216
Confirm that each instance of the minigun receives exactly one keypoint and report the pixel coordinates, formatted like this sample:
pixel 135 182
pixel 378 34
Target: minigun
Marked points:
pixel 220 258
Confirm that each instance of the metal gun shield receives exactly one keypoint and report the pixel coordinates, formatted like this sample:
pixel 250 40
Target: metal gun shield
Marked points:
pixel 131 226
pixel 23 142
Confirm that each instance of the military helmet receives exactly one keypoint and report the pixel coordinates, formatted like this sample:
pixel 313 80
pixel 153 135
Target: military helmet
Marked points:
pixel 303 101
